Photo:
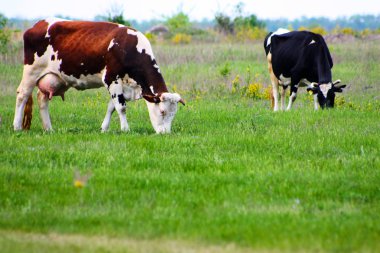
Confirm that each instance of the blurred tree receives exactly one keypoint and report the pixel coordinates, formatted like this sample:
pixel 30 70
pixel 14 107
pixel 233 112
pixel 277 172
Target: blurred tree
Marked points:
pixel 178 22
pixel 5 34
pixel 224 23
pixel 242 21
pixel 115 15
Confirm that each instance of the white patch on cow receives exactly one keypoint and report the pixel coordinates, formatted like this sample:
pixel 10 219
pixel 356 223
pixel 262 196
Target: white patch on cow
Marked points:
pixel 278 32
pixel 325 88
pixel 51 21
pixel 44 64
pixel 162 114
pixel 142 43
pixel 312 42
pixel 111 45
pixel 284 80
pixel 120 25
pixel 85 81
pixel 152 89
pixel 158 68
pixel 81 63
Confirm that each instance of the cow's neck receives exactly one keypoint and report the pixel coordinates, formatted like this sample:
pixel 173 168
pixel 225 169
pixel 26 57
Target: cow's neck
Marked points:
pixel 155 83
pixel 151 81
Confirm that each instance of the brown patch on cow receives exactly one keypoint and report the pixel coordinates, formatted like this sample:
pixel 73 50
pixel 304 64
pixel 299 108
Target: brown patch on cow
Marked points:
pixel 82 46
pixel 35 42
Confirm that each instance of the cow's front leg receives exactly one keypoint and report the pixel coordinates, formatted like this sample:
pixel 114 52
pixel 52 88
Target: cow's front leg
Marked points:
pixel 316 106
pixel 118 99
pixel 293 96
pixel 107 118
pixel 43 104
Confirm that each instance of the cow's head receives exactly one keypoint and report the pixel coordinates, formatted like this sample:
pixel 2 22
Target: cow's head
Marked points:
pixel 162 112
pixel 326 93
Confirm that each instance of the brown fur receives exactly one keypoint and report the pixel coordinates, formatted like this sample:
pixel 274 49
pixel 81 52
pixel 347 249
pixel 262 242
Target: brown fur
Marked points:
pixel 28 110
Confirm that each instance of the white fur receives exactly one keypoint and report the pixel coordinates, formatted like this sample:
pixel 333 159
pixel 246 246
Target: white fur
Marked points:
pixel 325 88
pixel 278 32
pixel 285 80
pixel 112 43
pixel 51 21
pixel 143 44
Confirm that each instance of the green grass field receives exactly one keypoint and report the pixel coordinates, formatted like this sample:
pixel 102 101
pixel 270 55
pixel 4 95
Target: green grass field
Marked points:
pixel 232 177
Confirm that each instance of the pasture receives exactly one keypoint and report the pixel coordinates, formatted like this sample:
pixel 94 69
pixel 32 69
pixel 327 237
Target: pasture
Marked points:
pixel 232 177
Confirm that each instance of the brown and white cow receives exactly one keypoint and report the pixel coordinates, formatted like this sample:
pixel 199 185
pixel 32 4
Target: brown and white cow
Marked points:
pixel 59 54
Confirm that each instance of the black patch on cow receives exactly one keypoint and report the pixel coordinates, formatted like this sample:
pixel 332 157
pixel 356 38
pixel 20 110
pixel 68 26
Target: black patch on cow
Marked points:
pixel 121 99
pixel 113 95
pixel 53 57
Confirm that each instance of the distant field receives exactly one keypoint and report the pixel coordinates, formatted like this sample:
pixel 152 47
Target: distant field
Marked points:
pixel 232 177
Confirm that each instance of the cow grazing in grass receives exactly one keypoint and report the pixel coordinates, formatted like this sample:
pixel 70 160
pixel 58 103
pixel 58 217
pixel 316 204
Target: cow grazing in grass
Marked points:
pixel 300 58
pixel 59 54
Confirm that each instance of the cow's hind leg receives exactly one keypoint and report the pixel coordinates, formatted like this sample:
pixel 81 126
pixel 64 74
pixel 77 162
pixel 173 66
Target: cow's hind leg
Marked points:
pixel 274 82
pixel 107 118
pixel 24 93
pixel 43 104
pixel 118 99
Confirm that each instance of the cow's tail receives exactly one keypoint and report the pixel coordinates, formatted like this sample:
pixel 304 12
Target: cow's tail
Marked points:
pixel 28 110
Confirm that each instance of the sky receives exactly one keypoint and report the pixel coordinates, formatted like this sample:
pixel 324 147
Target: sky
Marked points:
pixel 196 9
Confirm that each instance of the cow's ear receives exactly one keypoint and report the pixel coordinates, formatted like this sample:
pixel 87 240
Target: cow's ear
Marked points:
pixel 336 82
pixel 152 99
pixel 339 88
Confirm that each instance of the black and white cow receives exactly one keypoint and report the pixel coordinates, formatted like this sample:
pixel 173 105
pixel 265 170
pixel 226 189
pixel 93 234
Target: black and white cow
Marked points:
pixel 60 54
pixel 300 58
